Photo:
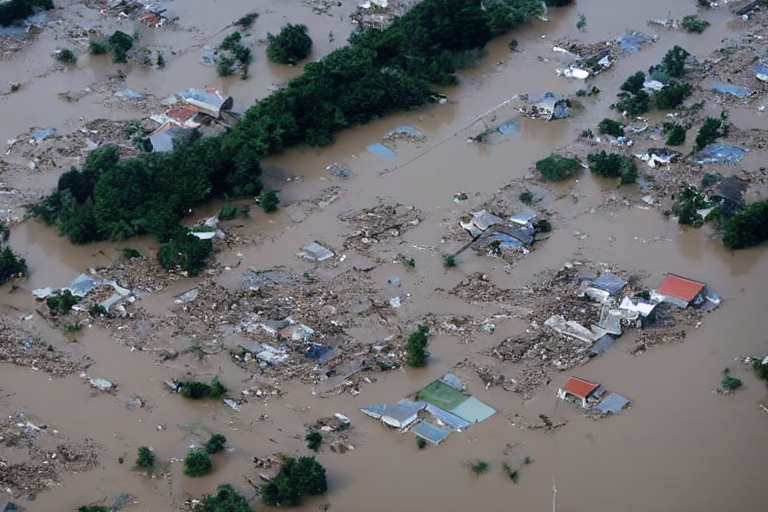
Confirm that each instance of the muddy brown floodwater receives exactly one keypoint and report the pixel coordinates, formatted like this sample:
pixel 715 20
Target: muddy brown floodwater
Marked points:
pixel 680 446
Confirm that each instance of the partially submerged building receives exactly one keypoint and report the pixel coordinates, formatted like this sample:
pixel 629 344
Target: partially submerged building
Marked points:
pixel 679 291
pixel 592 397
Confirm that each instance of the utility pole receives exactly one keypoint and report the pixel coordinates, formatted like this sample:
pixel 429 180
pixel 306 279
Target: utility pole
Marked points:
pixel 554 495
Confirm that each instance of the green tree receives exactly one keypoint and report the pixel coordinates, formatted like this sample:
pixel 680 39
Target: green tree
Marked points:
pixel 558 3
pixel 11 265
pixel 97 47
pixel 66 56
pixel 215 444
pixel 297 477
pixel 747 228
pixel 226 499
pixel 291 45
pixel 671 96
pixel 417 347
pixel 675 134
pixel 712 129
pixel 269 200
pixel 634 83
pixel 314 439
pixel 611 127
pixel 146 458
pixel 186 252
pixel 613 165
pixel 558 168
pixel 15 10
pixel 197 463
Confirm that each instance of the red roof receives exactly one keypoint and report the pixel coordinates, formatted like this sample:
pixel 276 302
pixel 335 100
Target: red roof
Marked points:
pixel 680 287
pixel 580 387
pixel 183 113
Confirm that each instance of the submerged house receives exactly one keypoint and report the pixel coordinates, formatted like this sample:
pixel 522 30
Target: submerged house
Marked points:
pixel 679 291
pixel 579 391
pixel 730 195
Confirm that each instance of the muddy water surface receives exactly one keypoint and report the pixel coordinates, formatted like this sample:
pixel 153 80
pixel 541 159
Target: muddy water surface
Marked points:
pixel 680 447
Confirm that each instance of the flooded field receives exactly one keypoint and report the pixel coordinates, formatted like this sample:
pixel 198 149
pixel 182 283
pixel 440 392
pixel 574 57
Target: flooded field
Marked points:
pixel 679 446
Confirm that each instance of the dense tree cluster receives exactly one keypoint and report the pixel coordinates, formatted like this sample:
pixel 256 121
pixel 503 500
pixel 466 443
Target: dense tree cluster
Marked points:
pixel 748 227
pixel 558 168
pixel 15 10
pixel 613 165
pixel 11 265
pixel 297 477
pixel 226 499
pixel 382 70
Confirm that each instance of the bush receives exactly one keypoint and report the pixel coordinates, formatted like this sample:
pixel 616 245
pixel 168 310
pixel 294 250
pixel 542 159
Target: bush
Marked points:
pixel 449 260
pixel 231 41
pixel 297 478
pixel 247 20
pixel 92 508
pixel 290 46
pixel 120 43
pixel 747 228
pixel 542 226
pixel 131 253
pixel 66 56
pixel 11 265
pixel 675 133
pixel 226 499
pixel 60 303
pixel 232 211
pixel 513 474
pixel 186 252
pixel 526 197
pixel 314 439
pixel 712 129
pixel 760 368
pixel 582 23
pixel 690 200
pixel 417 347
pixel 710 179
pixel 225 66
pixel 146 458
pixel 479 467
pixel 15 10
pixel 672 95
pixel 558 3
pixel 215 444
pixel 635 105
pixel 197 463
pixel 672 65
pixel 557 168
pixel 613 165
pixel 692 23
pixel 611 127
pixel 730 383
pixel 269 200
pixel 421 443
pixel 200 390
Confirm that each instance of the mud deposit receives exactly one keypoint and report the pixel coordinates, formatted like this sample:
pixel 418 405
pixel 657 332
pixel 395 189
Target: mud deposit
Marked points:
pixel 297 340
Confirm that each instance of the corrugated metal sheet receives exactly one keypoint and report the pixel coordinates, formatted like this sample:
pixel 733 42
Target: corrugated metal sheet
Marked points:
pixel 680 287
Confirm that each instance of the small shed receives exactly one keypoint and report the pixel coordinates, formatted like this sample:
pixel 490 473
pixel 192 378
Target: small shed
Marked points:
pixel 578 389
pixel 680 291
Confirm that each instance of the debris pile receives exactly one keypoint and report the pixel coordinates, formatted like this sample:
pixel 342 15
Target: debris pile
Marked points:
pixel 381 223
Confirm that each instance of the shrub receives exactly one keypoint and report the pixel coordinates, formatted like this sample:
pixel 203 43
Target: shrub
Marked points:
pixel 421 443
pixel 231 41
pixel 692 23
pixel 675 133
pixel 247 20
pixel 730 383
pixel 747 228
pixel 5 231
pixel 120 43
pixel 558 3
pixel 291 45
pixel 15 10
pixel 314 439
pixel 690 200
pixel 760 368
pixel 449 260
pixel 215 443
pixel 526 197
pixel 557 168
pixel 586 134
pixel 710 179
pixel 634 83
pixel 200 390
pixel 611 127
pixel 408 262
pixel 70 328
pixel 66 56
pixel 197 463
pixel 269 200
pixel 60 303
pixel 712 129
pixel 11 265
pixel 186 252
pixel 232 211
pixel 93 508
pixel 582 23
pixel 297 478
pixel 131 253
pixel 417 347
pixel 513 474
pixel 226 499
pixel 672 95
pixel 479 467
pixel 542 226
pixel 146 458
pixel 613 165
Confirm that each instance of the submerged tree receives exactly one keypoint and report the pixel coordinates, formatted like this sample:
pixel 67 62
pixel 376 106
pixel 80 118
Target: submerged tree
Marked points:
pixel 290 46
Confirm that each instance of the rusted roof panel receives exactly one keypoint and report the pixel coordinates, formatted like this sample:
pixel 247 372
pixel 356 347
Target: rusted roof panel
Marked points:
pixel 580 387
pixel 680 287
